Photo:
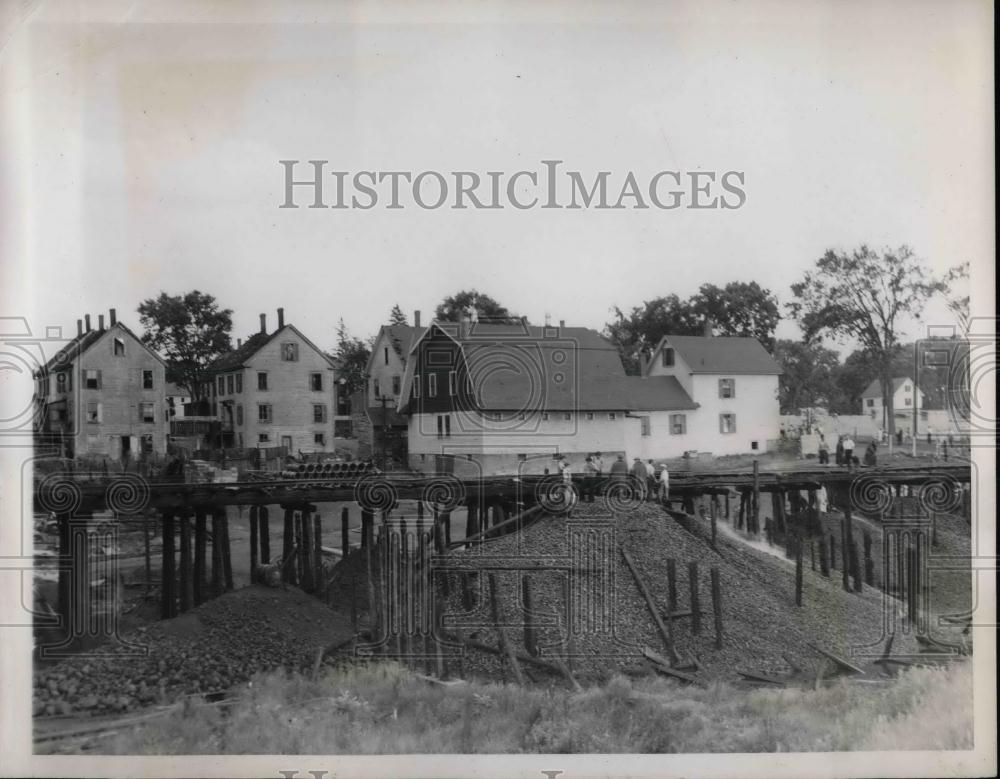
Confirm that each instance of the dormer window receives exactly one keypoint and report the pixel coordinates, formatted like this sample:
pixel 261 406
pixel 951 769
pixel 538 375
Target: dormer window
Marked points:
pixel 668 357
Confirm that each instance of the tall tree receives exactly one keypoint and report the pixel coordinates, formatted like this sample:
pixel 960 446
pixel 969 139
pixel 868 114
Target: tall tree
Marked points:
pixel 454 306
pixel 351 356
pixel 738 309
pixel 397 317
pixel 809 373
pixel 190 331
pixel 956 282
pixel 863 295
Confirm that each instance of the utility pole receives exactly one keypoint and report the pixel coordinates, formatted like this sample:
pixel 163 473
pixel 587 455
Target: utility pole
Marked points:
pixel 385 429
pixel 916 393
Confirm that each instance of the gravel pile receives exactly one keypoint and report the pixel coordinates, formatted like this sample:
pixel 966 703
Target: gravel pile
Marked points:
pixel 219 644
pixel 763 630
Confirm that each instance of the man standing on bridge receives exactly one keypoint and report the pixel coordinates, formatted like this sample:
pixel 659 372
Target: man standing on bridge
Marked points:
pixel 848 451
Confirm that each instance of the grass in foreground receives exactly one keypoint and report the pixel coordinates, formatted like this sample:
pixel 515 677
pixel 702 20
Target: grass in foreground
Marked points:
pixel 385 709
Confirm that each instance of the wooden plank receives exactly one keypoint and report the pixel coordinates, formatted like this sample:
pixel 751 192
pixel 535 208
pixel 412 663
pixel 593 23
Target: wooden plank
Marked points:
pixel 838 661
pixel 650 604
pixel 759 677
pixel 660 664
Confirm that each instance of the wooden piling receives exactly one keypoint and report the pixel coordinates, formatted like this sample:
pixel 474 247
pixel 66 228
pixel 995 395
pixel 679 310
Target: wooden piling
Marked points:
pixel 367 524
pixel 824 557
pixel 798 570
pixel 497 613
pixel 186 584
pixel 227 560
pixel 713 508
pixel 149 561
pixel 254 554
pixel 345 531
pixel 717 606
pixel 317 547
pixel 264 528
pixel 845 555
pixel 833 552
pixel 472 517
pixel 756 496
pixel 530 634
pixel 308 579
pixel 695 604
pixel 856 567
pixel 287 545
pixel 168 603
pixel 217 541
pixel 200 542
pixel 666 631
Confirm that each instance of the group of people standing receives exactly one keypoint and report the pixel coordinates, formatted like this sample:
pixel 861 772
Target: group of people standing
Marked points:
pixel 648 479
pixel 844 452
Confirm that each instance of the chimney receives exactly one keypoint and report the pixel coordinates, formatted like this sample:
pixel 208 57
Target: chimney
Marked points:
pixel 239 342
pixel 562 323
pixel 86 322
pixel 100 323
pixel 114 317
pixel 263 324
pixel 79 327
pixel 416 318
pixel 709 324
pixel 643 362
pixel 281 318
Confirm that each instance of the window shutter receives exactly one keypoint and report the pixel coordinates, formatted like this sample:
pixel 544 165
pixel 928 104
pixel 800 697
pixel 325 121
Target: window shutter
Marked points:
pixel 99 384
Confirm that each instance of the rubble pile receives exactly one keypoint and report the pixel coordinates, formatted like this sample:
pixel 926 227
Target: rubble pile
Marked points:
pixel 221 643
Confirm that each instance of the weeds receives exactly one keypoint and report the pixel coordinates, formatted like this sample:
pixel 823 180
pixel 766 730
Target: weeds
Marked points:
pixel 383 709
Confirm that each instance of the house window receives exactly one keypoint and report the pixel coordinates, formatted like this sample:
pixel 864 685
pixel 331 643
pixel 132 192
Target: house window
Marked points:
pixel 119 347
pixel 668 357
pixel 262 381
pixel 319 439
pixel 220 384
pixel 612 416
pixel 230 383
pixel 290 352
pixel 644 426
pixel 147 413
pixel 441 420
pixel 147 380
pixel 727 423
pixel 92 379
pixel 415 391
pixel 376 391
pixel 497 416
pixel 239 382
pixel 93 411
pixel 871 402
pixel 397 382
pixel 567 415
pixel 451 382
pixel 545 416
pixel 678 424
pixel 239 415
pixel 316 382
pixel 263 412
pixel 590 415
pixel 432 385
pixel 908 401
pixel 60 383
pixel 727 388
pixel 319 413
pixel 263 438
pixel 385 355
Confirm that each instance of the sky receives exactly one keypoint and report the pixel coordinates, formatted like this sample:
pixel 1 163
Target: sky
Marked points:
pixel 139 148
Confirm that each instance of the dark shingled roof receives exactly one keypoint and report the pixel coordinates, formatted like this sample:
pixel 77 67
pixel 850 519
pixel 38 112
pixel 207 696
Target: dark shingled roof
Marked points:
pixel 402 337
pixel 723 354
pixel 234 359
pixel 81 343
pixel 875 388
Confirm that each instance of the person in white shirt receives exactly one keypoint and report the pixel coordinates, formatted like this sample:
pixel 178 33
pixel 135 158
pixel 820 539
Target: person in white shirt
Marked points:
pixel 848 451
pixel 663 484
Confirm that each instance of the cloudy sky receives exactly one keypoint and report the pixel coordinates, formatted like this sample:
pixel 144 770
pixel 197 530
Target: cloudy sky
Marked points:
pixel 139 148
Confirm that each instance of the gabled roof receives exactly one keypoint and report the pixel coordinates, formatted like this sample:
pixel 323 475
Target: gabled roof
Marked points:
pixel 874 390
pixel 400 337
pixel 237 358
pixel 81 343
pixel 523 368
pixel 721 354
pixel 174 390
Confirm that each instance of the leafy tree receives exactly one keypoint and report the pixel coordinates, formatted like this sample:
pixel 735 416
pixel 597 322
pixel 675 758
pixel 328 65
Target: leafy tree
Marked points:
pixel 738 309
pixel 863 295
pixel 190 331
pixel 809 376
pixel 397 317
pixel 351 356
pixel 485 307
pixel 956 282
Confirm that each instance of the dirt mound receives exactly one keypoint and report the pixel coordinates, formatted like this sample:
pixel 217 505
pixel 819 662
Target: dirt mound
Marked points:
pixel 221 643
pixel 763 630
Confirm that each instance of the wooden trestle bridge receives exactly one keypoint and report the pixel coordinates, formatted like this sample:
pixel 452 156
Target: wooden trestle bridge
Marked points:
pixel 493 505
